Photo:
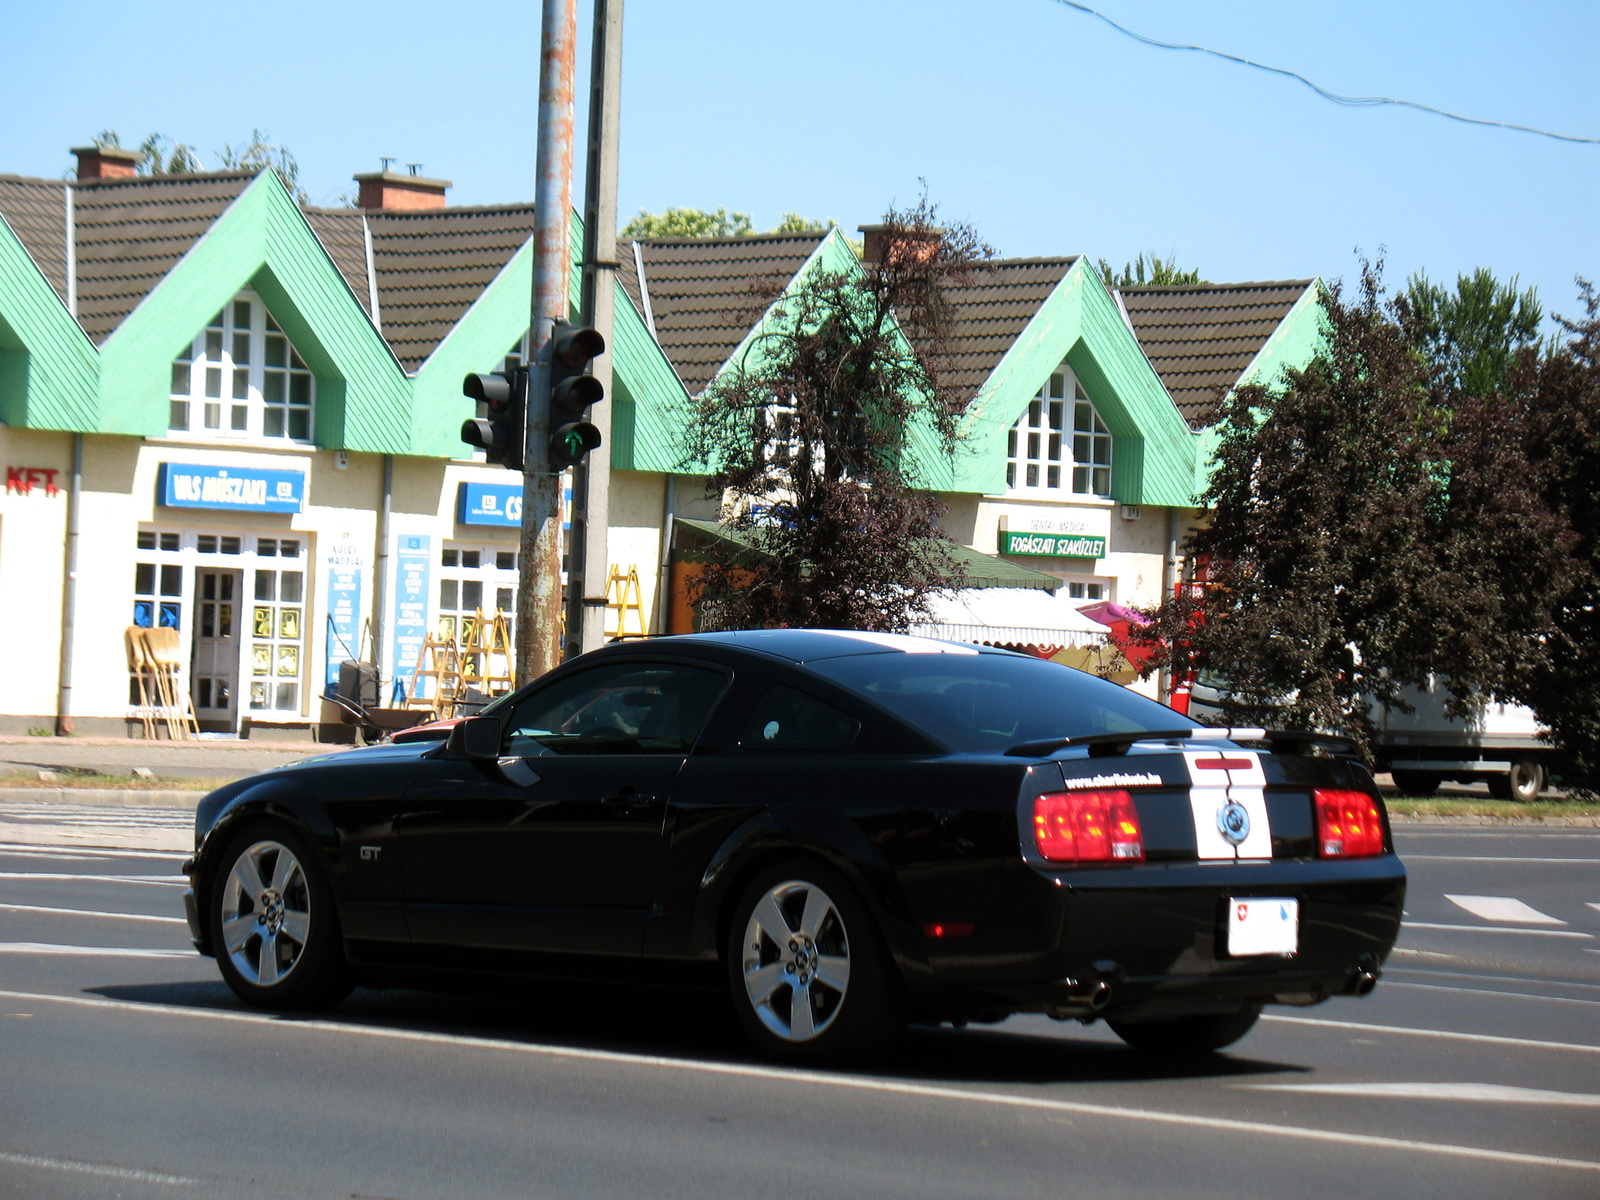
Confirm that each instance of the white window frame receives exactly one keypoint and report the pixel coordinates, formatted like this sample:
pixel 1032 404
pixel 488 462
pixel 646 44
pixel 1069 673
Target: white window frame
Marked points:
pixel 229 357
pixel 1059 446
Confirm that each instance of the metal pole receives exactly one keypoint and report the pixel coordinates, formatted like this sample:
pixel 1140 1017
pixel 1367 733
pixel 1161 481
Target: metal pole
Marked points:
pixel 589 567
pixel 539 588
pixel 69 599
pixel 380 583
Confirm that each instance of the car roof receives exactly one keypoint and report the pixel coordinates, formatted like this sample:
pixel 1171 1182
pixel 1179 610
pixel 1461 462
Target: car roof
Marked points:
pixel 814 645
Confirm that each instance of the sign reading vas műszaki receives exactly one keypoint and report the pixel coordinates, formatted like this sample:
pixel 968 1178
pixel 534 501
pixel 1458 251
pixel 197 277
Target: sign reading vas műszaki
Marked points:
pixel 241 489
pixel 1054 545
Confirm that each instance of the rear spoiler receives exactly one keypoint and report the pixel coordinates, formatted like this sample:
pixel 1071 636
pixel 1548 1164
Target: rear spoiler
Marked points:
pixel 1106 745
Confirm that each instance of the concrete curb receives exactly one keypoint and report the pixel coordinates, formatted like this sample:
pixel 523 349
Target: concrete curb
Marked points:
pixel 105 797
pixel 1538 822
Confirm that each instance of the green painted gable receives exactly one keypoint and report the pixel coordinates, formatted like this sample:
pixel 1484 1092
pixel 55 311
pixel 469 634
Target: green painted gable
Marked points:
pixel 1080 324
pixel 48 364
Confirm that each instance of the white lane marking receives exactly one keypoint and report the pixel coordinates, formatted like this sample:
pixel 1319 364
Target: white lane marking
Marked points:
pixel 1594 906
pixel 1566 933
pixel 167 880
pixel 1477 977
pixel 1493 1093
pixel 819 1079
pixel 1447 987
pixel 1492 1039
pixel 90 951
pixel 83 912
pixel 1491 858
pixel 1503 908
pixel 84 1168
pixel 27 850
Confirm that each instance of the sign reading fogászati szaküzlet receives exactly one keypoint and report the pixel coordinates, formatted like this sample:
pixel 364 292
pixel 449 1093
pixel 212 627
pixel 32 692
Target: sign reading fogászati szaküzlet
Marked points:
pixel 1052 545
pixel 185 485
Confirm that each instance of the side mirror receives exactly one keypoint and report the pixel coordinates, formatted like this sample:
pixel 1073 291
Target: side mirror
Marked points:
pixel 477 737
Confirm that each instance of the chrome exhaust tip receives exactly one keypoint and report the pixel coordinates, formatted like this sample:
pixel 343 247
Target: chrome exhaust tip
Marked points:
pixel 1364 983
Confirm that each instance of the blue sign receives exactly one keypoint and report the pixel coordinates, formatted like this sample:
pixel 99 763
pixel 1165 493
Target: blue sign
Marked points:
pixel 489 504
pixel 344 606
pixel 412 565
pixel 239 489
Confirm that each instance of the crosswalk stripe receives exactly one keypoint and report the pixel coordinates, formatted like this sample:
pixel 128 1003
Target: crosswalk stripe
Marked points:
pixel 1503 908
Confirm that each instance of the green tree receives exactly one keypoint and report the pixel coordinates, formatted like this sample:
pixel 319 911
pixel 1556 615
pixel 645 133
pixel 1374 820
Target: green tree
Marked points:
pixel 688 222
pixel 1324 584
pixel 809 441
pixel 160 155
pixel 1162 272
pixel 1475 333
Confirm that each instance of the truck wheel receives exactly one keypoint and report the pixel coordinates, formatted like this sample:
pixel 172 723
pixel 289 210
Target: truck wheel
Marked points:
pixel 1417 783
pixel 1523 783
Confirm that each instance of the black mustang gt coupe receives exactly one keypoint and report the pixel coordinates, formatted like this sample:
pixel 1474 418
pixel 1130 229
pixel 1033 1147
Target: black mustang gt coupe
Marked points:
pixel 846 830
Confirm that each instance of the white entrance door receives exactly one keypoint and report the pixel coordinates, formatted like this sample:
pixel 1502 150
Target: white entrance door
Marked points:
pixel 214 669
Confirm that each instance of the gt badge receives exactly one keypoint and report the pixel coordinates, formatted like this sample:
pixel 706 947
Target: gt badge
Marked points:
pixel 1233 822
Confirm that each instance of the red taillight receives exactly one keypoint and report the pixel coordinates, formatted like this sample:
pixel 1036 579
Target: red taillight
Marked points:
pixel 1087 826
pixel 1348 824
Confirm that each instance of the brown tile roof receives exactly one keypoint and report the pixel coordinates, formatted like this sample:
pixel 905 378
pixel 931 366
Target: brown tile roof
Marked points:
pixel 1202 338
pixel 991 311
pixel 702 292
pixel 131 232
pixel 36 211
pixel 339 231
pixel 431 266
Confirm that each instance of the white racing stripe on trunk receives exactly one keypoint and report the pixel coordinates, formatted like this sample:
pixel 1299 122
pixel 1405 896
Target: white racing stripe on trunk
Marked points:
pixel 1503 908
pixel 854 1083
pixel 1215 778
pixel 1490 1093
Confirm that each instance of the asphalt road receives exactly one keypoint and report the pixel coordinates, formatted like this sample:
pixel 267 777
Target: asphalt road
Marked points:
pixel 127 1069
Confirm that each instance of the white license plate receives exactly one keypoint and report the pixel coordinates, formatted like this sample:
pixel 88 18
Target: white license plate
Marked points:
pixel 1262 925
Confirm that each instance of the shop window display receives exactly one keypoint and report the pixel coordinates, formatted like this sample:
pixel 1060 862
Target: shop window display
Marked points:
pixel 276 626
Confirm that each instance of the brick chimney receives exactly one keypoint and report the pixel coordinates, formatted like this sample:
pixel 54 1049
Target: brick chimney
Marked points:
pixel 390 191
pixel 106 162
pixel 874 238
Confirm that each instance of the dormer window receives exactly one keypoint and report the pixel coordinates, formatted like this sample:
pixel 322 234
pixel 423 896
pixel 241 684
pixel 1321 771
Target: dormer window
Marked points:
pixel 241 378
pixel 1060 444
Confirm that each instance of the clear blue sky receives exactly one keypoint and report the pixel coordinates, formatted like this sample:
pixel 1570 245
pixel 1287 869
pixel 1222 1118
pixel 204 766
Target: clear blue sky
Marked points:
pixel 1045 128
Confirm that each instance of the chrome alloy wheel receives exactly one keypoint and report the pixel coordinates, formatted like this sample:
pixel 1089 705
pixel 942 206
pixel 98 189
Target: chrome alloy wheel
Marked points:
pixel 266 913
pixel 796 961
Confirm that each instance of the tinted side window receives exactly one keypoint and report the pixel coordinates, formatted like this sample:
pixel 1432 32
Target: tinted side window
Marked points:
pixel 787 720
pixel 623 708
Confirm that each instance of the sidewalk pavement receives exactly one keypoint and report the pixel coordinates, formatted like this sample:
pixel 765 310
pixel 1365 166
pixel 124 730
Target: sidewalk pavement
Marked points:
pixel 220 759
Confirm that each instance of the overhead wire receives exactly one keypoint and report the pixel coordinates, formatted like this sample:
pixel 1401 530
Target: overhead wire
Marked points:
pixel 1350 101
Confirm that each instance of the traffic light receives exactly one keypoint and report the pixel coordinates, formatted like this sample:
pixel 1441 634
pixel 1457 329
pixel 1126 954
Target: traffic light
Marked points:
pixel 572 391
pixel 500 432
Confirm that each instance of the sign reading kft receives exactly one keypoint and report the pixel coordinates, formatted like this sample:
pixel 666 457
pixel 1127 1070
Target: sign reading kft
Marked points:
pixel 489 504
pixel 186 486
pixel 23 480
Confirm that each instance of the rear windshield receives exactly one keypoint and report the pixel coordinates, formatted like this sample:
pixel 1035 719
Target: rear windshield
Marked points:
pixel 988 702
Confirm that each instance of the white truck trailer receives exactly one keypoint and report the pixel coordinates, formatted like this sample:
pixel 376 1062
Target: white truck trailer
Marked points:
pixel 1502 744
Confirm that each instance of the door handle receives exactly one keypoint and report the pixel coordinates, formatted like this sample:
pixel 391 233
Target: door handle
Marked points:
pixel 628 798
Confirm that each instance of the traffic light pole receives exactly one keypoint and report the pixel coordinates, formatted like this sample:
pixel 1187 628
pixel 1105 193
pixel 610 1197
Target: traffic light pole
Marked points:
pixel 539 587
pixel 588 568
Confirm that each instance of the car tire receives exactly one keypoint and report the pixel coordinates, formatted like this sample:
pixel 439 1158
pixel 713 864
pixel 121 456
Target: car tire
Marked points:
pixel 274 928
pixel 1416 783
pixel 801 936
pixel 1523 783
pixel 1199 1034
